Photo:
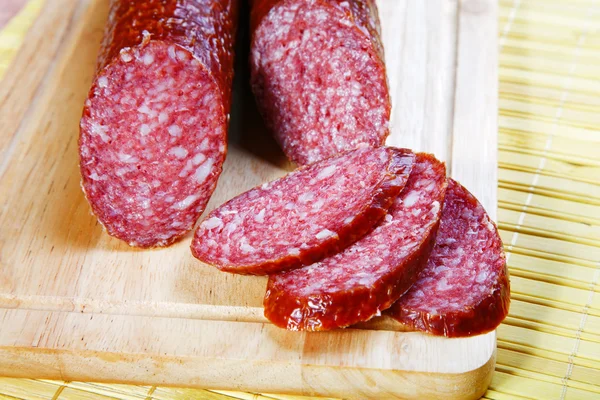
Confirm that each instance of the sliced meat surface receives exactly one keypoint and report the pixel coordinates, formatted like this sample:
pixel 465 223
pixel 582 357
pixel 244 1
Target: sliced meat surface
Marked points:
pixel 318 75
pixel 366 278
pixel 464 290
pixel 309 214
pixel 153 131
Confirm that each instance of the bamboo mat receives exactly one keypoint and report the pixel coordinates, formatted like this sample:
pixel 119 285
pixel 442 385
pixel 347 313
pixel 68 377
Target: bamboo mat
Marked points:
pixel 549 210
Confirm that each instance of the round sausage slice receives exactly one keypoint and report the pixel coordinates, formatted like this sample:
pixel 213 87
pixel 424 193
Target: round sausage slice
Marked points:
pixel 308 214
pixel 464 290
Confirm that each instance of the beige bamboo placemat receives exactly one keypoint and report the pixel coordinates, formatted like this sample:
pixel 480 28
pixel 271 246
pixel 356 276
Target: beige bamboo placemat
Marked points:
pixel 549 210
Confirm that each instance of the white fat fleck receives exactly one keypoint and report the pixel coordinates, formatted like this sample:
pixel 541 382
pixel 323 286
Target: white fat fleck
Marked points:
pixel 127 158
pixel 144 129
pixel 490 226
pixel 245 247
pixel 126 56
pixel 100 130
pixel 155 183
pixel 95 177
pixel 306 36
pixel 176 224
pixel 411 198
pixel 212 223
pixel 144 109
pixel 203 171
pixel 289 206
pixel 171 51
pixel 148 58
pixel 327 172
pixel 481 277
pixel 186 170
pixel 429 187
pixel 222 148
pixel 174 130
pixel 185 203
pixel 435 207
pixel 103 81
pixel 356 89
pixel 294 251
pixel 178 152
pixel 182 55
pixel 198 159
pixel 443 284
pixel 325 233
pixel 318 204
pixel 204 144
pixel 121 171
pixel 440 268
pixel 163 117
pixel 231 227
pixel 388 218
pixel 365 281
pixel 306 197
pixel 260 217
pixel 348 220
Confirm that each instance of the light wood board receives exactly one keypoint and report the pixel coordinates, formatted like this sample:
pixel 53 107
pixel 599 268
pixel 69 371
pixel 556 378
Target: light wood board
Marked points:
pixel 76 304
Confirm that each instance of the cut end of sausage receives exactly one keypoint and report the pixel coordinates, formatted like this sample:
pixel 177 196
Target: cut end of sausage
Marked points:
pixel 152 143
pixel 319 81
pixel 369 276
pixel 464 290
pixel 305 216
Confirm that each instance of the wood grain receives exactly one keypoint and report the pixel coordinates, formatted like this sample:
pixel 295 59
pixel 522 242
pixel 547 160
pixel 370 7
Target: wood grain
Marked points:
pixel 27 74
pixel 420 54
pixel 77 304
pixel 474 147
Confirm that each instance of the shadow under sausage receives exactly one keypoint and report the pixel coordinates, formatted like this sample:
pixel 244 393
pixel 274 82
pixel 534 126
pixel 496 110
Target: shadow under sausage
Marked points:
pixel 247 130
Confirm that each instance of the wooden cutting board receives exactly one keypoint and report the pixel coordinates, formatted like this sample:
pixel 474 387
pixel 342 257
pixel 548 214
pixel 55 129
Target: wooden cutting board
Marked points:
pixel 76 304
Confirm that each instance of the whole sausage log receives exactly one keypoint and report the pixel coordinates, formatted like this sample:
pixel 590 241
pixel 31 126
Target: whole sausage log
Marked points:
pixel 318 75
pixel 153 131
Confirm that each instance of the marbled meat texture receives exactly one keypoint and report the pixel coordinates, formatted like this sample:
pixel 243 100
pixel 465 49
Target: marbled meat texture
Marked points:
pixel 153 132
pixel 309 214
pixel 318 75
pixel 464 290
pixel 369 276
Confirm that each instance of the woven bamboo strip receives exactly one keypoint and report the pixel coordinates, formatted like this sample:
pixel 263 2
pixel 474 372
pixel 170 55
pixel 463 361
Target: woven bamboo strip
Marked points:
pixel 514 126
pixel 555 368
pixel 542 95
pixel 566 274
pixel 27 388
